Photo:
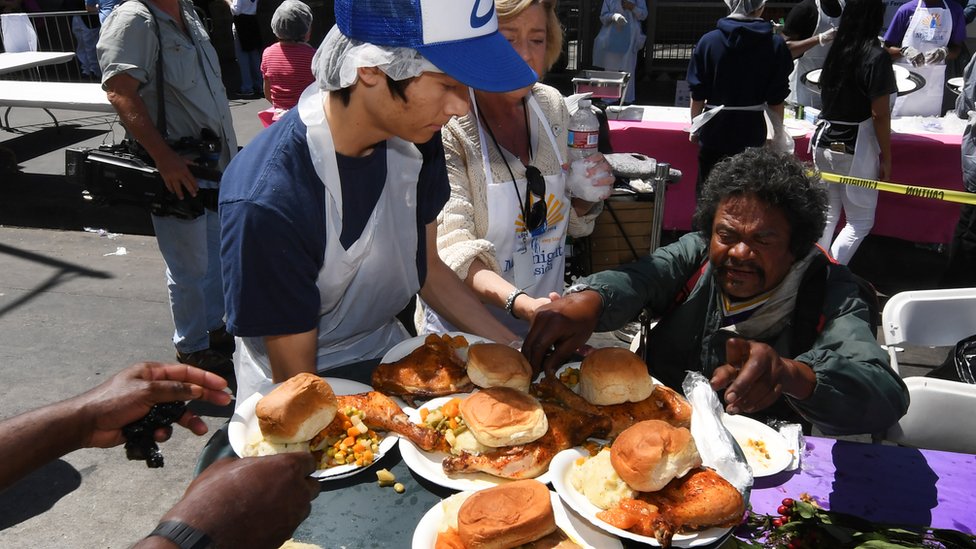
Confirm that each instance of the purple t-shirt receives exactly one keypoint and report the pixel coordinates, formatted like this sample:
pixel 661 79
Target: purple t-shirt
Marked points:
pixel 899 25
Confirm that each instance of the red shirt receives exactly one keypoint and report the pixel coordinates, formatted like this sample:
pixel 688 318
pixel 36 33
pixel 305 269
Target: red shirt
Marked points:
pixel 287 68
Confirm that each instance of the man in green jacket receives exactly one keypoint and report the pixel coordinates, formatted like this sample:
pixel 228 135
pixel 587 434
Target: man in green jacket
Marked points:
pixel 750 302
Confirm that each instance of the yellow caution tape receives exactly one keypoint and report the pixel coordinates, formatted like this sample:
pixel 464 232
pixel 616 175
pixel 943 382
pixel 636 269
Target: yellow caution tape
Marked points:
pixel 944 195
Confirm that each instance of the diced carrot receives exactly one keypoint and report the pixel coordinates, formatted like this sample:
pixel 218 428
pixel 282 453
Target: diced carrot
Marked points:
pixel 367 456
pixel 452 407
pixel 359 447
pixel 349 441
pixel 352 432
pixel 424 412
pixel 452 422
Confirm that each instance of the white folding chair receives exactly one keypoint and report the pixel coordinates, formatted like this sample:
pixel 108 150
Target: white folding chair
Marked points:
pixel 929 318
pixel 940 416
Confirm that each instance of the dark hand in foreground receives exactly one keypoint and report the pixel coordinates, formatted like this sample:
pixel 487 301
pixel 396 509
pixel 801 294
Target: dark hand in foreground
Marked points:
pixel 128 396
pixel 562 327
pixel 250 502
pixel 755 376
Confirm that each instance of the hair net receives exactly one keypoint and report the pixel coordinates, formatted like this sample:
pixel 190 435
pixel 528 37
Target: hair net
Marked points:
pixel 744 7
pixel 336 62
pixel 291 20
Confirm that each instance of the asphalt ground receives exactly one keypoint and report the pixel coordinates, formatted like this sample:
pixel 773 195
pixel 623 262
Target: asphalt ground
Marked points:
pixel 82 295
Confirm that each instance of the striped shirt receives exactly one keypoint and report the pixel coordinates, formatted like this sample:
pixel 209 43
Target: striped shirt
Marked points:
pixel 287 68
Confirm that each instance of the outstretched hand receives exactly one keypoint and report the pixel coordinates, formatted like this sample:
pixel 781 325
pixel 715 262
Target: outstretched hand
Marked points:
pixel 128 395
pixel 250 502
pixel 560 328
pixel 755 376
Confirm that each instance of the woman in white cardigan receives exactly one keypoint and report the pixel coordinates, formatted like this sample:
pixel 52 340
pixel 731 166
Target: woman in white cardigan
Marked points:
pixel 503 230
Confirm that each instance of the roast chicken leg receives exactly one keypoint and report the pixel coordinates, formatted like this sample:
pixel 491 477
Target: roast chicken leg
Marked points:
pixel 434 369
pixel 382 414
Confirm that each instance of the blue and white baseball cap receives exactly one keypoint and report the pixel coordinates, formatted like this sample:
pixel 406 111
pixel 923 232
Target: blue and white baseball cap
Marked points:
pixel 460 37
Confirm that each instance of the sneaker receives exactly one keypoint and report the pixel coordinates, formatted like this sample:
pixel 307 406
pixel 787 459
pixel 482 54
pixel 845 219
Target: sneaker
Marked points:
pixel 628 332
pixel 209 360
pixel 222 342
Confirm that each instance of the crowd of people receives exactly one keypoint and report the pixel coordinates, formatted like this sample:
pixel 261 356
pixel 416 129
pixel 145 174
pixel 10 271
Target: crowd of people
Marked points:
pixel 422 156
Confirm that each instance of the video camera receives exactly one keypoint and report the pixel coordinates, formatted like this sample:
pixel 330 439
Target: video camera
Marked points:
pixel 125 174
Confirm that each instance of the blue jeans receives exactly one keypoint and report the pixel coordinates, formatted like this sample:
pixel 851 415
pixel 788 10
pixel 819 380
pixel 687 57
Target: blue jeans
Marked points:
pixel 191 250
pixel 249 63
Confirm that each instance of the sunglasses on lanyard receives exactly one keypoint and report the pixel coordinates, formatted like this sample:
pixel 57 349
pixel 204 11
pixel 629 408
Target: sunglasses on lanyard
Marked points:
pixel 535 213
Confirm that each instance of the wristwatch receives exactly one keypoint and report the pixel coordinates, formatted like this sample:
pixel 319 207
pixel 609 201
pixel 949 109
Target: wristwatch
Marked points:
pixel 183 535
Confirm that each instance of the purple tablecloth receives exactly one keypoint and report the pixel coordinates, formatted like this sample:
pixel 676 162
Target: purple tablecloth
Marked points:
pixel 884 484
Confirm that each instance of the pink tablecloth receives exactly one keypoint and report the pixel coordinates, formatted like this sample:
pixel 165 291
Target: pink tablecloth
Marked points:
pixel 929 160
pixel 883 484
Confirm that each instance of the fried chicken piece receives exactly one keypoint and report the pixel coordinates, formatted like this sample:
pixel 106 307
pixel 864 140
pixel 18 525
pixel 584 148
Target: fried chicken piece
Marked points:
pixel 567 428
pixel 664 404
pixel 701 499
pixel 434 369
pixel 382 414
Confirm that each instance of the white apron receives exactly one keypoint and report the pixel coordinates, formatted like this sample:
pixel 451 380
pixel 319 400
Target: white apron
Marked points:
pixel 864 165
pixel 812 59
pixel 362 288
pixel 535 262
pixel 782 142
pixel 929 29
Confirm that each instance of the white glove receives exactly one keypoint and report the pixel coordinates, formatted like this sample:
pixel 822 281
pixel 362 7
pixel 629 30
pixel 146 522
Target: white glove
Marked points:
pixel 619 19
pixel 915 57
pixel 936 56
pixel 826 36
pixel 590 179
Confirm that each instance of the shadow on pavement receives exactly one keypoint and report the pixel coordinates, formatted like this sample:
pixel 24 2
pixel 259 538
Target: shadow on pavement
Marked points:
pixel 37 492
pixel 49 139
pixel 51 202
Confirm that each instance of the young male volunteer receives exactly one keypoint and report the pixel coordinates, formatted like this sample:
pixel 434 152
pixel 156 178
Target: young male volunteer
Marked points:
pixel 328 218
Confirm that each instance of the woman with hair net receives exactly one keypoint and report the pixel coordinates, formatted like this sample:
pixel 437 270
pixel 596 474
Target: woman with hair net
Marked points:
pixel 287 64
pixel 736 72
pixel 328 218
pixel 504 227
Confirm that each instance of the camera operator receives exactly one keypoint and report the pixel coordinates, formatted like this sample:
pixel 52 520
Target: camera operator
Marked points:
pixel 158 65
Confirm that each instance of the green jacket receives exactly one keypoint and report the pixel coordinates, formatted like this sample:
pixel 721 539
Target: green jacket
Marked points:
pixel 856 392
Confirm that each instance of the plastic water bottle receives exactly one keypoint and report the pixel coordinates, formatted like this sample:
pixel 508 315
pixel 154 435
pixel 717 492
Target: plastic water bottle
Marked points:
pixel 584 132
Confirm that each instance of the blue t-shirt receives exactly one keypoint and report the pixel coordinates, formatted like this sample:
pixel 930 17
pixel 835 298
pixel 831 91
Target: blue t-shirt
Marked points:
pixel 273 227
pixel 899 25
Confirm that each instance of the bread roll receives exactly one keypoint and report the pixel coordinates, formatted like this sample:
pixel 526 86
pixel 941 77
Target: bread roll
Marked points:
pixel 497 365
pixel 649 454
pixel 296 410
pixel 506 516
pixel 613 376
pixel 502 416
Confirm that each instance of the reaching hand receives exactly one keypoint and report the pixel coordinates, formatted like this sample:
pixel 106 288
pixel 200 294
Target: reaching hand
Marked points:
pixel 755 376
pixel 250 502
pixel 128 395
pixel 619 19
pixel 561 327
pixel 915 57
pixel 936 56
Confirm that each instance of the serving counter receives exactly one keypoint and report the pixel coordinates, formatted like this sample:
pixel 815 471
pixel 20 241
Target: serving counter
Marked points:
pixel 922 156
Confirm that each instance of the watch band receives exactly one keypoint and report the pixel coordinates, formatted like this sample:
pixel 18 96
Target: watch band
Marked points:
pixel 576 288
pixel 183 535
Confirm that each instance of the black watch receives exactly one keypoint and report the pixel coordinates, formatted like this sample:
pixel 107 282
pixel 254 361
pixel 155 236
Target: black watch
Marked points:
pixel 183 535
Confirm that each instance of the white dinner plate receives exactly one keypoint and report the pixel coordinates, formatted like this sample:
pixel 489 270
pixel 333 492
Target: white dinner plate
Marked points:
pixel 244 428
pixel 752 436
pixel 560 469
pixel 581 531
pixel 407 346
pixel 428 464
pixel 903 79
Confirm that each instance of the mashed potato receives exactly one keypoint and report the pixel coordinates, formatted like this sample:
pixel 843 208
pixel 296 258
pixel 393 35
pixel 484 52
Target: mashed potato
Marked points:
pixel 465 442
pixel 450 507
pixel 596 479
pixel 258 446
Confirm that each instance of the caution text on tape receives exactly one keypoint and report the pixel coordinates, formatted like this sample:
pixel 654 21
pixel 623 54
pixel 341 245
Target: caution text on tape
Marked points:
pixel 944 195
